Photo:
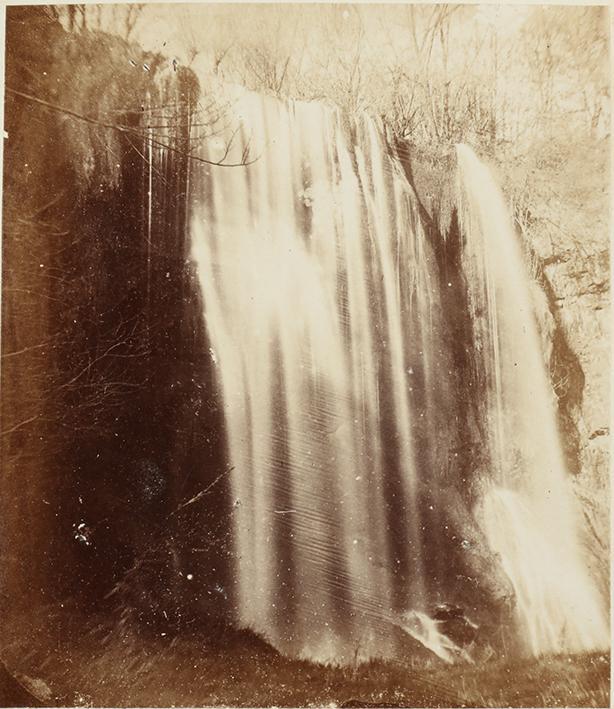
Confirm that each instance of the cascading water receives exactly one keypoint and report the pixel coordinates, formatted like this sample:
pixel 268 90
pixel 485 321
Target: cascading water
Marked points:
pixel 528 513
pixel 301 258
pixel 323 312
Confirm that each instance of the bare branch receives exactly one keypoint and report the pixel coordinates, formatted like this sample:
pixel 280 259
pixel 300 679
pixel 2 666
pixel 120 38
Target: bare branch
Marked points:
pixel 126 130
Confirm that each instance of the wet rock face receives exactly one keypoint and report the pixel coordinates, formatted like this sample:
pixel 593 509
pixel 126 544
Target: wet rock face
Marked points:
pixel 582 297
pixel 580 307
pixel 455 625
pixel 569 238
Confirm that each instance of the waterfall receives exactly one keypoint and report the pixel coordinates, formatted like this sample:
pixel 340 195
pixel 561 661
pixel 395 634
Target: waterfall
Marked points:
pixel 528 509
pixel 323 310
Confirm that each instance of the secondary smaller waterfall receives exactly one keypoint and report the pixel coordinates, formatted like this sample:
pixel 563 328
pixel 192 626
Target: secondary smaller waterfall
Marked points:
pixel 528 509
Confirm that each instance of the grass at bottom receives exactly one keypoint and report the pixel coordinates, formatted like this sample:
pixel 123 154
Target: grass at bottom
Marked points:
pixel 91 662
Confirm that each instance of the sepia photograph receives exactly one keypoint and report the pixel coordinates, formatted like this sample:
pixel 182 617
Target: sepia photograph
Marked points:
pixel 305 355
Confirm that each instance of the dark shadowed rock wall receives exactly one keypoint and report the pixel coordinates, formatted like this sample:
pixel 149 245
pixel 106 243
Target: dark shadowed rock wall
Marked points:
pixel 109 413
